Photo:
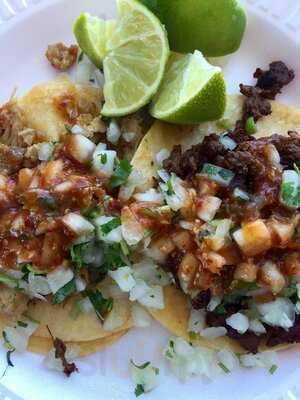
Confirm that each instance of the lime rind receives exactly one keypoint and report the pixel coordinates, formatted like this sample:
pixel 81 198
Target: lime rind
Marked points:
pixel 92 34
pixel 135 64
pixel 193 91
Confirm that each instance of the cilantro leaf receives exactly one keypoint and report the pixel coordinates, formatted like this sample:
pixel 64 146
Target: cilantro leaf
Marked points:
pixel 64 292
pixel 103 158
pixel 76 253
pixel 273 369
pixel 170 190
pixel 139 390
pixel 224 368
pixel 111 225
pixel 142 366
pixel 101 305
pixel 121 174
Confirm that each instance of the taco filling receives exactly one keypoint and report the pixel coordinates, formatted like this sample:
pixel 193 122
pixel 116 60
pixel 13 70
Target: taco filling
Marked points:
pixel 223 217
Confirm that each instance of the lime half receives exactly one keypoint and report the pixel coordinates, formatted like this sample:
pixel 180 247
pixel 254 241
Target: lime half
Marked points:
pixel 92 34
pixel 192 91
pixel 138 51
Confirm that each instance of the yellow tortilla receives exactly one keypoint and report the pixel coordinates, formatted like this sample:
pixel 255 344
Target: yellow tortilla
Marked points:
pixel 44 345
pixel 176 313
pixel 40 111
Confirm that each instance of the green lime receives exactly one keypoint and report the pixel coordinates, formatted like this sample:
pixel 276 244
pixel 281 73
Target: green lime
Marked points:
pixel 215 27
pixel 92 34
pixel 192 91
pixel 138 51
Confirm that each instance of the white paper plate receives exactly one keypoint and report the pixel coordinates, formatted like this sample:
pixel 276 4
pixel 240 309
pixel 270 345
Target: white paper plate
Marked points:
pixel 26 28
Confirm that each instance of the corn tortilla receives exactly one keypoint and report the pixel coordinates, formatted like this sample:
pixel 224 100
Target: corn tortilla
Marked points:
pixel 176 313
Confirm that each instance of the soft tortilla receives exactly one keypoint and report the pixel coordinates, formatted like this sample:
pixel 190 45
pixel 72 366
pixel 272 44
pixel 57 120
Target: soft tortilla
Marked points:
pixel 176 313
pixel 44 345
pixel 40 110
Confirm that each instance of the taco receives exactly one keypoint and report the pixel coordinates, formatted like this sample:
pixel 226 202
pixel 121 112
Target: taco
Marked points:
pixel 222 209
pixel 60 221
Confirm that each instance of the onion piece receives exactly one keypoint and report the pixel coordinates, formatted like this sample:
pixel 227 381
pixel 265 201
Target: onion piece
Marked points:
pixel 227 142
pixel 103 162
pixel 78 224
pixel 132 230
pixel 196 321
pixel 45 151
pixel 239 322
pixel 113 132
pixel 123 276
pixel 116 317
pixel 228 359
pixel 59 278
pixel 214 302
pixel 280 312
pixel 174 192
pixel 257 327
pixel 151 273
pixel 113 236
pixel 150 195
pixel 161 156
pixel 154 298
pixel 144 375
pixel 213 332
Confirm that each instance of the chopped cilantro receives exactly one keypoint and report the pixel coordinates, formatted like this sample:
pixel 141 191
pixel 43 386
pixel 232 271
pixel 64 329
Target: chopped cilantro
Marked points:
pixel 289 291
pixel 224 368
pixel 250 126
pixel 139 390
pixel 121 174
pixel 170 190
pixel 93 212
pixel 112 257
pixel 103 158
pixel 220 310
pixel 22 324
pixel 68 128
pixel 111 225
pixel 9 280
pixel 64 292
pixel 273 369
pixel 220 175
pixel 193 336
pixel 142 366
pixel 147 233
pixel 169 354
pixel 76 253
pixel 101 305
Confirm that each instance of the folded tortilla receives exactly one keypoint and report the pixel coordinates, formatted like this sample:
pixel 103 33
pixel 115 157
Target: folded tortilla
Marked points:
pixel 176 313
pixel 39 111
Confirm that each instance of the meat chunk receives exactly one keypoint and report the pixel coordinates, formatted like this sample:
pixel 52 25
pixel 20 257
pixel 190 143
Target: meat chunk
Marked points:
pixel 11 158
pixel 255 105
pixel 274 79
pixel 62 57
pixel 288 147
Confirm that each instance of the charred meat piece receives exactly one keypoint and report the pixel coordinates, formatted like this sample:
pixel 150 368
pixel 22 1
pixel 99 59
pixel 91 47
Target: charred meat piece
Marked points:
pixel 255 105
pixel 62 57
pixel 288 147
pixel 201 300
pixel 273 80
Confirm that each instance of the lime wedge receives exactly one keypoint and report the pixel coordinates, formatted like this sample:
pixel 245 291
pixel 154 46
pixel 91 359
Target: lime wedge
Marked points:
pixel 138 51
pixel 192 91
pixel 92 34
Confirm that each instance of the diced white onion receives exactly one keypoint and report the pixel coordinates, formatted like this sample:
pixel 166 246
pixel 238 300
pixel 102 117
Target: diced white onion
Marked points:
pixel 103 162
pixel 116 317
pixel 113 132
pixel 186 225
pixel 241 195
pixel 129 136
pixel 86 306
pixel 147 377
pixel 214 302
pixel 227 142
pixel 257 327
pixel 139 290
pixel 132 230
pixel 78 130
pixel 141 318
pixel 114 236
pixel 265 359
pixel 150 195
pixel 84 71
pixel 290 180
pixel 213 332
pixel 18 336
pixel 280 312
pixel 78 224
pixel 80 284
pixel 80 148
pixel 38 285
pixel 123 276
pixel 45 151
pixel 151 273
pixel 227 358
pixel 161 156
pixel 208 208
pixel 196 321
pixel 272 154
pixel 164 175
pixel 239 322
pixel 136 180
pixel 59 278
pixel 154 298
pixel 179 195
